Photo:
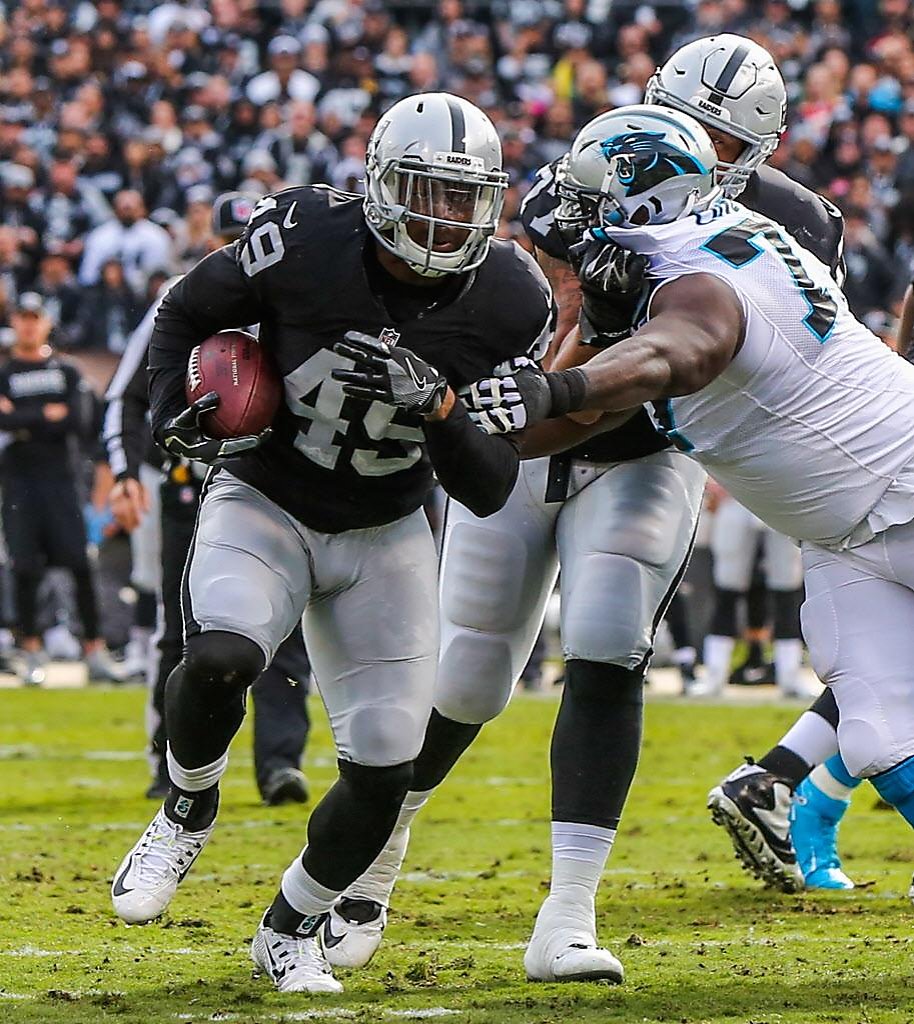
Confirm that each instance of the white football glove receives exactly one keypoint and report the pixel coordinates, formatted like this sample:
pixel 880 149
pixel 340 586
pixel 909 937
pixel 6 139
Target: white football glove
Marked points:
pixel 509 401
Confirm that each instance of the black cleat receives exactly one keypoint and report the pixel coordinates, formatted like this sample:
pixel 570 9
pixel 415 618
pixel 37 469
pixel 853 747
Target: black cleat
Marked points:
pixel 284 786
pixel 753 806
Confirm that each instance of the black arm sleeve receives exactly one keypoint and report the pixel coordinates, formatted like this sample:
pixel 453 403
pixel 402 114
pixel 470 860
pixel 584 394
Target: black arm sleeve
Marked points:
pixel 214 296
pixel 477 469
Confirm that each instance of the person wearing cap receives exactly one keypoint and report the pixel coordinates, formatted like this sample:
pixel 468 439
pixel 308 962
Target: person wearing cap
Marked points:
pixel 284 80
pixel 197 233
pixel 56 283
pixel 69 207
pixel 259 170
pixel 16 211
pixel 155 501
pixel 43 409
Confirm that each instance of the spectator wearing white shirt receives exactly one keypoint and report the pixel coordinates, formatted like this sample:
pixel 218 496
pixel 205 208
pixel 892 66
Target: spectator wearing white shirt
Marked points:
pixel 285 80
pixel 133 239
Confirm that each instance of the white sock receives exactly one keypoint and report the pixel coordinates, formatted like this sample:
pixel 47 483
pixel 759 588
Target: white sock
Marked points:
pixel 684 656
pixel 303 894
pixel 829 785
pixel 788 656
pixel 579 854
pixel 194 780
pixel 718 654
pixel 378 881
pixel 811 738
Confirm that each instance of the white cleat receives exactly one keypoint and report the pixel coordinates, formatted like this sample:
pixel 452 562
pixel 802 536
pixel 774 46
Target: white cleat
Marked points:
pixel 293 963
pixel 565 949
pixel 149 875
pixel 352 932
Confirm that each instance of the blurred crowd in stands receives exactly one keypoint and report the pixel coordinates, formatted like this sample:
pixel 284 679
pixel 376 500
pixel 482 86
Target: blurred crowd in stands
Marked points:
pixel 120 120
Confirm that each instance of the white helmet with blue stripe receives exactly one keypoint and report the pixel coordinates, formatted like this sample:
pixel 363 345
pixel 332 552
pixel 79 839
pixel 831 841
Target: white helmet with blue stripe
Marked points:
pixel 639 165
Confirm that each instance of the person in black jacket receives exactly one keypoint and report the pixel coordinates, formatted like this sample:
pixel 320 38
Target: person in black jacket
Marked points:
pixel 42 412
pixel 281 722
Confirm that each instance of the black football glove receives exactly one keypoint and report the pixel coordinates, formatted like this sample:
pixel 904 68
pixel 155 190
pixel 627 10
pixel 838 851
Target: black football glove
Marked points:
pixel 183 436
pixel 394 376
pixel 612 283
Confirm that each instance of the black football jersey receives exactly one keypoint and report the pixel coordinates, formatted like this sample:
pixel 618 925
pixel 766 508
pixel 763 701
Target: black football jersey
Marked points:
pixel 813 221
pixel 34 444
pixel 333 462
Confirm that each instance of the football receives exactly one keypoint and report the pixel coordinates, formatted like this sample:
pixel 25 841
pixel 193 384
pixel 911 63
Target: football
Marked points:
pixel 241 372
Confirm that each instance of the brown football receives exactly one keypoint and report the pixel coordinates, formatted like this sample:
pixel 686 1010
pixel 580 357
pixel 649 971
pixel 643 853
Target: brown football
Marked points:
pixel 244 377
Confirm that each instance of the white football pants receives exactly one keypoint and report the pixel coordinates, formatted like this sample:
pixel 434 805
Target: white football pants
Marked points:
pixel 858 623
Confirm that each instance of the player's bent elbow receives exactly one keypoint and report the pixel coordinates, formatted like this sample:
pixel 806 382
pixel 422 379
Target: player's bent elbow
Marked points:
pixel 484 505
pixel 696 370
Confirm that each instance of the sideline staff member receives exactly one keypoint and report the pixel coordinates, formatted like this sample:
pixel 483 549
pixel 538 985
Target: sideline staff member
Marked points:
pixel 43 409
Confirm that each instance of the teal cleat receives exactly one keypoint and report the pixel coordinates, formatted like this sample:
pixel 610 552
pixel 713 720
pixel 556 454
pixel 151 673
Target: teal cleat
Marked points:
pixel 814 821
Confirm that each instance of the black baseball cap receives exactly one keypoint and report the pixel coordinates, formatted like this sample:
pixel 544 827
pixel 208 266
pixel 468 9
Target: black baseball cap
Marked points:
pixel 231 212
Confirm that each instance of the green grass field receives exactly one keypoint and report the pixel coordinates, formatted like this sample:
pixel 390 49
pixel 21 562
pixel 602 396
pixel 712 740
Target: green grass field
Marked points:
pixel 700 941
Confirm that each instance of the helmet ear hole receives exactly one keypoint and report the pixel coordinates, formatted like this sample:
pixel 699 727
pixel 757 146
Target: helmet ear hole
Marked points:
pixel 641 216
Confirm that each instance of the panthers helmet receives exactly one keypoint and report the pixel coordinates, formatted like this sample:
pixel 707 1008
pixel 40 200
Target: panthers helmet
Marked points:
pixel 637 165
pixel 434 161
pixel 730 83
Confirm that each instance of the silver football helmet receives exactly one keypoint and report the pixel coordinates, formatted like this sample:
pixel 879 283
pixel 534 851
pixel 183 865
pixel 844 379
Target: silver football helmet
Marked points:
pixel 730 83
pixel 434 183
pixel 633 166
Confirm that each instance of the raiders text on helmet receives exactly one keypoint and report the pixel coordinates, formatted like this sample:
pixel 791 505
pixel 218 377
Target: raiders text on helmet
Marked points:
pixel 730 83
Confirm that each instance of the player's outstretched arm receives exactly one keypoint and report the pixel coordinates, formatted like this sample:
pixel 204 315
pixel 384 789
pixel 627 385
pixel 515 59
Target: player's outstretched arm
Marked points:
pixel 214 296
pixel 695 330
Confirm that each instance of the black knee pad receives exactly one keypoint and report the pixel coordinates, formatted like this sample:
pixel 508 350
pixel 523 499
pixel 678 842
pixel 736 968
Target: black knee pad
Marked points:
pixel 594 682
pixel 385 785
pixel 222 659
pixel 723 621
pixel 787 614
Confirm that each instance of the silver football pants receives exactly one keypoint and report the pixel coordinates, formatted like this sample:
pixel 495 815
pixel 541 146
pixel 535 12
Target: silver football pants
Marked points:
pixel 366 598
pixel 622 537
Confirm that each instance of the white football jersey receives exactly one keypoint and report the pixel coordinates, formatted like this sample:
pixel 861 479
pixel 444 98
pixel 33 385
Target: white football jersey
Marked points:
pixel 811 426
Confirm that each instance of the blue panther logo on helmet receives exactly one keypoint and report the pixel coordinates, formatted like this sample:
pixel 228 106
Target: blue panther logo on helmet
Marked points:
pixel 646 159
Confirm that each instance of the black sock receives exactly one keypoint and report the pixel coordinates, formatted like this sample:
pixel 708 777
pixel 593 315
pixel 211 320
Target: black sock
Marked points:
pixel 195 811
pixel 283 917
pixel 756 657
pixel 786 765
pixel 596 742
pixel 351 824
pixel 205 694
pixel 825 706
pixel 445 740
